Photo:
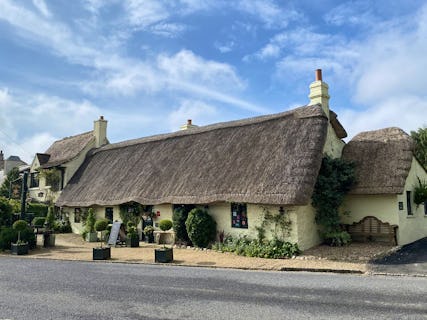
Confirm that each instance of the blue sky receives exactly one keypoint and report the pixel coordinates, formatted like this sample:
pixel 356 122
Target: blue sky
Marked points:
pixel 149 65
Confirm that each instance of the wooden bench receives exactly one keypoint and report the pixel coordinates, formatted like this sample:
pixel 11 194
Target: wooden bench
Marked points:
pixel 371 228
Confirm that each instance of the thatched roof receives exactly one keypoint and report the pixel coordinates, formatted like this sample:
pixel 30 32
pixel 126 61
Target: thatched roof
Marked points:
pixel 383 159
pixel 66 149
pixel 272 159
pixel 338 128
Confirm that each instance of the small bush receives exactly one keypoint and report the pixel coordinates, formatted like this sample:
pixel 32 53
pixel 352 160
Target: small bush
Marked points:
pixel 337 238
pixel 165 224
pixel 201 227
pixel 38 222
pixel 5 212
pixel 50 218
pixel 273 249
pixel 39 209
pixel 20 225
pixel 101 224
pixel 7 236
pixel 148 230
pixel 179 216
pixel 90 220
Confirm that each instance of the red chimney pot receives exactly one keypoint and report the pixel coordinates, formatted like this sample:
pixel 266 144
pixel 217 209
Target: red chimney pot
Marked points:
pixel 319 75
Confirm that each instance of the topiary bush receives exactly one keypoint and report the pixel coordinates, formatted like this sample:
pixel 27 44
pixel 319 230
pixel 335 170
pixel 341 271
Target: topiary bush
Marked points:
pixel 101 224
pixel 20 225
pixel 201 227
pixel 50 218
pixel 165 225
pixel 179 216
pixel 90 220
pixel 7 236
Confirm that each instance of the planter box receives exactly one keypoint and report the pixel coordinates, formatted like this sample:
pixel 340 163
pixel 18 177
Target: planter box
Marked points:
pixel 48 239
pixel 132 242
pixel 19 249
pixel 92 237
pixel 163 255
pixel 101 253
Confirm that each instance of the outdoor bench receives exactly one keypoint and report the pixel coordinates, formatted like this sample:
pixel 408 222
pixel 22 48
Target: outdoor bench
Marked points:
pixel 371 228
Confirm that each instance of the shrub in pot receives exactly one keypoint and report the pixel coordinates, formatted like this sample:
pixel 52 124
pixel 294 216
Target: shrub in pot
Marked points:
pixel 149 234
pixel 20 247
pixel 132 238
pixel 101 253
pixel 164 237
pixel 163 255
pixel 91 235
pixel 201 227
pixel 48 234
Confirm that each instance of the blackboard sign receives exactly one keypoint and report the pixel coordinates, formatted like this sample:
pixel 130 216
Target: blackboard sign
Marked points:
pixel 112 240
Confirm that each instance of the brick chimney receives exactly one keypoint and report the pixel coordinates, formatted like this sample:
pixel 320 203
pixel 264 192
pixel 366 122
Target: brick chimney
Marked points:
pixel 319 92
pixel 100 132
pixel 1 160
pixel 188 125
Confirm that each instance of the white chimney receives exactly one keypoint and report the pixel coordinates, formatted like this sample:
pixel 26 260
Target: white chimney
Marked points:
pixel 100 132
pixel 319 92
pixel 188 125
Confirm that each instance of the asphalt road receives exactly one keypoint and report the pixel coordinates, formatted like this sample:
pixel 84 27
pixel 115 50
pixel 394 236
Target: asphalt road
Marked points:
pixel 410 259
pixel 45 289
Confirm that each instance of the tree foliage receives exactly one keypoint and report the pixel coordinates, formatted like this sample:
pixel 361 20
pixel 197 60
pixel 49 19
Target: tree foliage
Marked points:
pixel 179 216
pixel 335 179
pixel 16 186
pixel 201 227
pixel 420 139
pixel 5 212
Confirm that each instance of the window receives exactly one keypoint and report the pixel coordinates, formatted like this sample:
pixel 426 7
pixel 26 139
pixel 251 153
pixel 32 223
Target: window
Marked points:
pixel 425 208
pixel 408 203
pixel 77 215
pixel 239 217
pixel 109 213
pixel 34 179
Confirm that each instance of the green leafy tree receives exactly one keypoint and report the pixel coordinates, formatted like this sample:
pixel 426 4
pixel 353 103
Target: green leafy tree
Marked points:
pixel 201 227
pixel 420 139
pixel 5 212
pixel 334 181
pixel 16 186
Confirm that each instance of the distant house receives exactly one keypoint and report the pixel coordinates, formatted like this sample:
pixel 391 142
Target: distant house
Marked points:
pixel 52 170
pixel 7 165
pixel 238 169
pixel 386 172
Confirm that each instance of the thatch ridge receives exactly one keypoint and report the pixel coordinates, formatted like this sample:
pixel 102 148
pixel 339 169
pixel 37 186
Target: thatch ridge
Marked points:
pixel 267 160
pixel 68 148
pixel 383 159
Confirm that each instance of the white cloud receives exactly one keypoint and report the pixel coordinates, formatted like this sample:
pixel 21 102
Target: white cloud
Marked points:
pixel 351 13
pixel 269 12
pixel 42 7
pixel 198 111
pixel 224 47
pixel 399 111
pixel 188 67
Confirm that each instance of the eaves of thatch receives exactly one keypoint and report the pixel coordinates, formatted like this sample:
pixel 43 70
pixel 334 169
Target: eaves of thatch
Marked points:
pixel 64 150
pixel 383 159
pixel 271 159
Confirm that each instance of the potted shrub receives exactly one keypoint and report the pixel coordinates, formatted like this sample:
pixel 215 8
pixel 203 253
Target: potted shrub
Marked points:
pixel 165 237
pixel 101 253
pixel 48 233
pixel 91 235
pixel 149 234
pixel 132 238
pixel 20 247
pixel 38 223
pixel 163 255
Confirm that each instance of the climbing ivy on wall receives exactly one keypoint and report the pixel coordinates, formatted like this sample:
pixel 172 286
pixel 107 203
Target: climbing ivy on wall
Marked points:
pixel 334 181
pixel 279 224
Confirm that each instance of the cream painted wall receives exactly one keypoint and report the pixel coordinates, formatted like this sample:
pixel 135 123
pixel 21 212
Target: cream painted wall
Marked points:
pixel 333 145
pixel 412 228
pixel 384 207
pixel 72 166
pixel 307 231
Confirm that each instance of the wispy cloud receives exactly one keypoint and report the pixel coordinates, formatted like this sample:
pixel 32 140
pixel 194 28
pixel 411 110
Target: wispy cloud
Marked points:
pixel 42 7
pixel 267 11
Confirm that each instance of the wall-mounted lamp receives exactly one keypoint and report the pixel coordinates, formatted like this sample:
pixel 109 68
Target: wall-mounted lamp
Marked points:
pixel 281 211
pixel 40 194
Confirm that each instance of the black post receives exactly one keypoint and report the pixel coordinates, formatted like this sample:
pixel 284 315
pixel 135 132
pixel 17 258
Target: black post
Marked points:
pixel 23 195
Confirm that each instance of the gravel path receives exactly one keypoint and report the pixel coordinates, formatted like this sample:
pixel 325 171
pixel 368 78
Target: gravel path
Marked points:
pixel 351 258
